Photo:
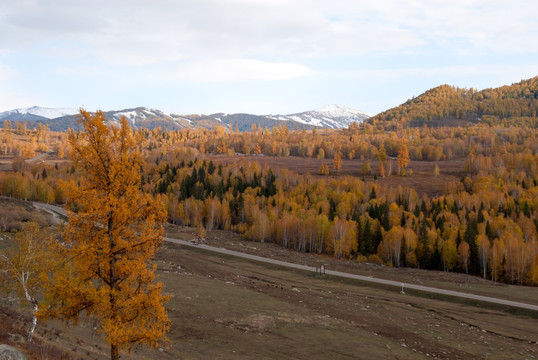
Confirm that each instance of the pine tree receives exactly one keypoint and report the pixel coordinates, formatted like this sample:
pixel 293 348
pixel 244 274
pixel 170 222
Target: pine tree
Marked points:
pixel 470 238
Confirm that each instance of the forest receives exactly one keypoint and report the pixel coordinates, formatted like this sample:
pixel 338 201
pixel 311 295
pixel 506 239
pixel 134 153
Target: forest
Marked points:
pixel 484 223
pixel 516 104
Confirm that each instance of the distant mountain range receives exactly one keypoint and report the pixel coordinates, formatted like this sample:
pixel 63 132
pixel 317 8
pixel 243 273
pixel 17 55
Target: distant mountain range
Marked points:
pixel 445 105
pixel 60 119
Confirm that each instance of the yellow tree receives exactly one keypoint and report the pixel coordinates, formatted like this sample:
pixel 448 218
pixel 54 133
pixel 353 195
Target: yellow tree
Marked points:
pixel 258 149
pixel 324 169
pixel 403 157
pixel 337 162
pixel 22 265
pixel 342 237
pixel 382 158
pixel 111 236
pixel 464 256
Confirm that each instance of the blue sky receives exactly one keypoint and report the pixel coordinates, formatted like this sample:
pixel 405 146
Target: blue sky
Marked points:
pixel 257 56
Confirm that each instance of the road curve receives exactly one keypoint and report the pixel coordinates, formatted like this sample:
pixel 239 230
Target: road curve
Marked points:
pixel 492 300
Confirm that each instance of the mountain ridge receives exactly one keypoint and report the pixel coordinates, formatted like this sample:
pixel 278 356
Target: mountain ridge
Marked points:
pixel 447 105
pixel 332 116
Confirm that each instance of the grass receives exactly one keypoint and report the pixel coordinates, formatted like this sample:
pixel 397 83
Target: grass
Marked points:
pixel 422 180
pixel 230 308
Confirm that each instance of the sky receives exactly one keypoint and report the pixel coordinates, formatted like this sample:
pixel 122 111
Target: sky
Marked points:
pixel 257 56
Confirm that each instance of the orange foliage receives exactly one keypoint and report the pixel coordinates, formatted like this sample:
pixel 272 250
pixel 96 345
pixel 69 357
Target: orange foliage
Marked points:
pixel 113 232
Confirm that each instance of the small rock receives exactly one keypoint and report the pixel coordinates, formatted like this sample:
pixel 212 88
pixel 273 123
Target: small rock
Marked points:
pixel 10 353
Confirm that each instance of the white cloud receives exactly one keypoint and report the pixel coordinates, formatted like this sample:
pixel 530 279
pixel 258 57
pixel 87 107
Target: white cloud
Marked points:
pixel 236 70
pixel 498 75
pixel 121 32
pixel 132 45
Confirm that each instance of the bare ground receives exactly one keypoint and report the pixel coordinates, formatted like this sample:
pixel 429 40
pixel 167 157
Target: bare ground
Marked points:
pixel 230 308
pixel 422 179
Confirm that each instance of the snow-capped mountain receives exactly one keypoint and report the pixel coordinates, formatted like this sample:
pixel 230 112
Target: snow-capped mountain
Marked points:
pixel 332 116
pixel 38 111
pixel 150 118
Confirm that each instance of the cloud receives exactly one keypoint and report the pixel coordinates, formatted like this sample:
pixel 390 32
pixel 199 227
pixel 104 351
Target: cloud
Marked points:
pixel 141 32
pixel 237 70
pixel 137 47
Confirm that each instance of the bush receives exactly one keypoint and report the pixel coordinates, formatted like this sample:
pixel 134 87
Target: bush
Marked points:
pixel 373 258
pixel 324 169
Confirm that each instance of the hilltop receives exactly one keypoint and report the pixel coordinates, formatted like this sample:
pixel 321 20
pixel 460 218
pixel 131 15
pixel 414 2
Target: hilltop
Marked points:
pixel 445 105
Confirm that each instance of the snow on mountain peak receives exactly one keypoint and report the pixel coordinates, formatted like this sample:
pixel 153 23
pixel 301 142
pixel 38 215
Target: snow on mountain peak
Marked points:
pixel 49 113
pixel 339 111
pixel 332 116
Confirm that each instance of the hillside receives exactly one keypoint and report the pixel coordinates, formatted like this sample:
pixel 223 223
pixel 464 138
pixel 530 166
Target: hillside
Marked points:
pixel 445 105
pixel 226 307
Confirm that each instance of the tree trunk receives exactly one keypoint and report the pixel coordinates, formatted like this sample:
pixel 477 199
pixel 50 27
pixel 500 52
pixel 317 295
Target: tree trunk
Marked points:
pixel 35 307
pixel 34 322
pixel 114 352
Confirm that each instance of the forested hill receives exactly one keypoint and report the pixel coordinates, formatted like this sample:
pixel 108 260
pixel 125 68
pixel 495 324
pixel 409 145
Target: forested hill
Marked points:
pixel 445 105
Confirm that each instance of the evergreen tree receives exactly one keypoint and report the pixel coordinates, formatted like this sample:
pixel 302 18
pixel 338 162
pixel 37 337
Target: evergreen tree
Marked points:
pixel 470 237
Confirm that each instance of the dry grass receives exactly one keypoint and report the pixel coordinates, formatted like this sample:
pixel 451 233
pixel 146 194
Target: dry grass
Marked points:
pixel 13 333
pixel 422 180
pixel 230 308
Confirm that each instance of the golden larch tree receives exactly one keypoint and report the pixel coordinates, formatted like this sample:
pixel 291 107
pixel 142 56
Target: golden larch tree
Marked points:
pixel 403 157
pixel 337 162
pixel 258 149
pixel 113 232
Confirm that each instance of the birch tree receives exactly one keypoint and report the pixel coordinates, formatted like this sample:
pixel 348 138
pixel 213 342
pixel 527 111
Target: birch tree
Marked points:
pixel 21 268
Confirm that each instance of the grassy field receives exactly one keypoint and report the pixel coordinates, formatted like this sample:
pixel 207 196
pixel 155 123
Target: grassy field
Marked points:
pixel 230 308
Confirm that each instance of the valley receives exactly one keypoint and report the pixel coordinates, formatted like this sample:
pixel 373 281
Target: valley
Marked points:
pixel 225 307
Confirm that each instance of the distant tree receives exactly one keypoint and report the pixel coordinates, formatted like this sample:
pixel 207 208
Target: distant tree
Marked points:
pixel 201 231
pixel 464 256
pixel 7 126
pixel 60 151
pixel 324 169
pixel 381 169
pixel 366 169
pixel 342 237
pixel 337 162
pixel 382 154
pixel 403 157
pixel 483 252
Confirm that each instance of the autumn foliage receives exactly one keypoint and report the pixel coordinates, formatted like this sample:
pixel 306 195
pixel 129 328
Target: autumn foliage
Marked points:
pixel 112 234
pixel 482 222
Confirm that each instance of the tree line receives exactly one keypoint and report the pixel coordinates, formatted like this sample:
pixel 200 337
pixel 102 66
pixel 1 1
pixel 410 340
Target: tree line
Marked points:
pixel 483 224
